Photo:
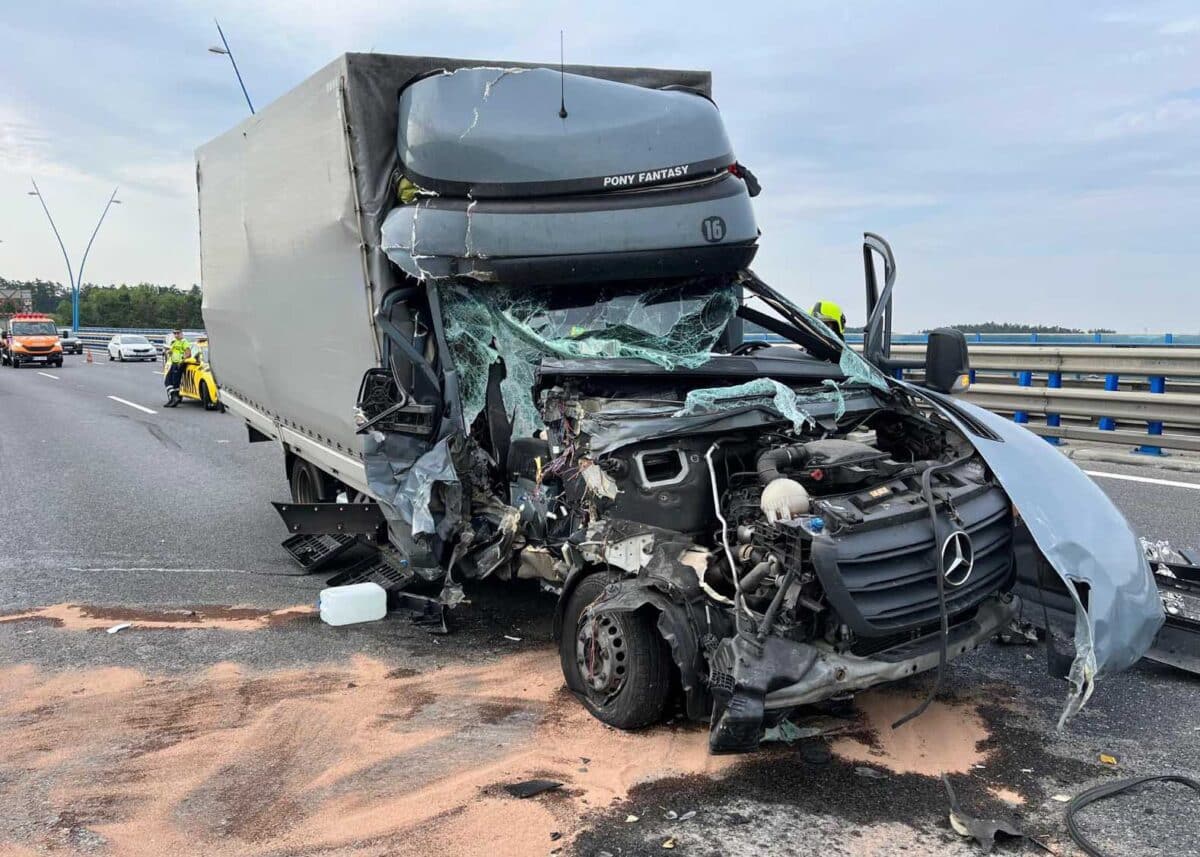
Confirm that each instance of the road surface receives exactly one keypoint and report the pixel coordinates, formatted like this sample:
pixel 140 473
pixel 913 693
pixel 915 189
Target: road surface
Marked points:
pixel 227 719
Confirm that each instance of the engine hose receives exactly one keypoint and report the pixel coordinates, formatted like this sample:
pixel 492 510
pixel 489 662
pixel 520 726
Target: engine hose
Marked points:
pixel 756 574
pixel 770 461
pixel 1107 790
pixel 768 621
pixel 927 495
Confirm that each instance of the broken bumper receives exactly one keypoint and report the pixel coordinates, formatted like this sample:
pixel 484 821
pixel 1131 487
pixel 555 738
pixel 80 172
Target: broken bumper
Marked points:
pixel 832 673
pixel 750 678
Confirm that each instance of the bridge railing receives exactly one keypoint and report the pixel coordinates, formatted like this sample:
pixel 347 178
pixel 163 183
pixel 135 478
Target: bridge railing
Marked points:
pixel 1156 389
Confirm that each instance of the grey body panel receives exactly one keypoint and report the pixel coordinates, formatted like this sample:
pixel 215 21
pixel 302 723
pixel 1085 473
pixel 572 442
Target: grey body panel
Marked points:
pixel 1084 537
pixel 428 237
pixel 496 132
pixel 292 201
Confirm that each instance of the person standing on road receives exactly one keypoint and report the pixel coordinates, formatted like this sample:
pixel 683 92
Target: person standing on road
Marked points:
pixel 177 350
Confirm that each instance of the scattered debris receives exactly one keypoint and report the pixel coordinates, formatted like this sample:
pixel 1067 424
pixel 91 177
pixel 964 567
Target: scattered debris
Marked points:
pixel 555 836
pixel 690 814
pixel 530 788
pixel 120 627
pixel 985 831
pixel 1107 790
pixel 870 773
pixel 671 815
pixel 630 819
pixel 1106 759
pixel 1018 632
pixel 669 843
pixel 1061 798
pixel 512 639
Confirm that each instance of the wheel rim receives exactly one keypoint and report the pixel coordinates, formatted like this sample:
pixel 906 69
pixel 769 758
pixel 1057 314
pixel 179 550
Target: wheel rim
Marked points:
pixel 600 654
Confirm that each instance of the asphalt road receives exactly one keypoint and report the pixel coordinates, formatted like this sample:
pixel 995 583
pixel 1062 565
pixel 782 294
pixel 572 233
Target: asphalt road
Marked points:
pixel 113 508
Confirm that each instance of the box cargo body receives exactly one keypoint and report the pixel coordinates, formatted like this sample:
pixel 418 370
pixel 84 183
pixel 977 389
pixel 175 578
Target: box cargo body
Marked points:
pixel 291 205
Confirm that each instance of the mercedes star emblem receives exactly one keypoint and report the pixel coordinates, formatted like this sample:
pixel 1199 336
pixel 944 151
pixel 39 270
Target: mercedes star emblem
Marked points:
pixel 958 558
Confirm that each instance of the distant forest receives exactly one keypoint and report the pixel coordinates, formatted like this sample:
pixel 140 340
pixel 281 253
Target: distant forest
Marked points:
pixel 143 305
pixel 1014 327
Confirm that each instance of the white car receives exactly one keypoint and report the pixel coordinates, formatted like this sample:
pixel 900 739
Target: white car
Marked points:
pixel 130 346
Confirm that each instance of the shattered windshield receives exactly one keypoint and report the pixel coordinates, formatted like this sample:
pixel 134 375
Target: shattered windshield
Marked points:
pixel 675 325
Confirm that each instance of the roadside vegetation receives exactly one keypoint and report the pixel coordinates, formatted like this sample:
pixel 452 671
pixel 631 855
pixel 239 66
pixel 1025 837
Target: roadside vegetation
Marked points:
pixel 142 305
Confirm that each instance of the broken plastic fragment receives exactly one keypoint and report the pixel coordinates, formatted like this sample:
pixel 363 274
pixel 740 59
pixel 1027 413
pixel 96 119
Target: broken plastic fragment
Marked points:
pixel 529 788
pixel 1107 759
pixel 597 481
pixel 120 627
pixel 985 831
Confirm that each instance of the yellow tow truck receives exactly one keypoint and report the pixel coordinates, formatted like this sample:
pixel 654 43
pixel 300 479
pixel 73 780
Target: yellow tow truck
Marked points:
pixel 198 383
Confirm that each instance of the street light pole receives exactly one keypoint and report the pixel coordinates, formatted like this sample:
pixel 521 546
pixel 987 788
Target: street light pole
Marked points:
pixel 75 278
pixel 229 53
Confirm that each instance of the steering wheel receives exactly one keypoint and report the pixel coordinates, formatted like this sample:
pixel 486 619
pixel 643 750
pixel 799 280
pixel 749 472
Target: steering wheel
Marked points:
pixel 749 347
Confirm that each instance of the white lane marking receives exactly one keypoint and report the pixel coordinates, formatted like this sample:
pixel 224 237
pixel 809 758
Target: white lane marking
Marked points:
pixel 1170 483
pixel 132 405
pixel 48 375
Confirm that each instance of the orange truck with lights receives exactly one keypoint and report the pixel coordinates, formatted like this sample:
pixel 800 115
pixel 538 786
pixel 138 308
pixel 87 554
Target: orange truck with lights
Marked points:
pixel 30 337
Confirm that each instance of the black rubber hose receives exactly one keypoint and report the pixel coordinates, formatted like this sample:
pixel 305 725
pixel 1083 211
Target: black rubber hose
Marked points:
pixel 927 494
pixel 770 461
pixel 1107 790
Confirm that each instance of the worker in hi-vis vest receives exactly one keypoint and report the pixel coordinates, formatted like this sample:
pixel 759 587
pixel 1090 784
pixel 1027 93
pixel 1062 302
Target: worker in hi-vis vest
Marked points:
pixel 833 317
pixel 177 350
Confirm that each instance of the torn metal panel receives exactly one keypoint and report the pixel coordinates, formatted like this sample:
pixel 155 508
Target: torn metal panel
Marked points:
pixel 1082 535
pixel 611 429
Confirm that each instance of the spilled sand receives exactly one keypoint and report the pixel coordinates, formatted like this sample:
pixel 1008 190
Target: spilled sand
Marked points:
pixel 357 760
pixel 945 739
pixel 85 617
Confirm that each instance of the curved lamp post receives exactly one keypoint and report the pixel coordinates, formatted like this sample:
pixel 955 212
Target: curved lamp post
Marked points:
pixel 75 278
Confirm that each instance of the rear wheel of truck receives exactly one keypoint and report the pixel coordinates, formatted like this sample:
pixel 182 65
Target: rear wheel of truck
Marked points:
pixel 616 662
pixel 307 483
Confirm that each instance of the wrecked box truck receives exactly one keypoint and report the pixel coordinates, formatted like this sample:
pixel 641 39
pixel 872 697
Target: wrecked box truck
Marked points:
pixel 493 316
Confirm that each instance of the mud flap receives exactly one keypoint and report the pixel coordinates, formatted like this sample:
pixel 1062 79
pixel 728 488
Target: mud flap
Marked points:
pixel 318 518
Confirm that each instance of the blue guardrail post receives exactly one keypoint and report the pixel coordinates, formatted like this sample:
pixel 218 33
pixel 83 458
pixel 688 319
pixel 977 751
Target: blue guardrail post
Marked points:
pixel 1054 382
pixel 1154 428
pixel 1111 385
pixel 1024 379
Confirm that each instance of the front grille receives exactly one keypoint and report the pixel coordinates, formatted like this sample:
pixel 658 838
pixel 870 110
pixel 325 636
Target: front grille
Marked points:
pixel 39 349
pixel 884 581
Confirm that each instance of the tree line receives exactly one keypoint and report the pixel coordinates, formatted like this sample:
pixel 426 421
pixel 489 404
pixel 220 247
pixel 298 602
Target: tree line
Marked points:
pixel 142 305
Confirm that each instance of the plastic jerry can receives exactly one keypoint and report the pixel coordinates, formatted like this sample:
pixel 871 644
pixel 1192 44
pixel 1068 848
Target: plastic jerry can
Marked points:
pixel 358 602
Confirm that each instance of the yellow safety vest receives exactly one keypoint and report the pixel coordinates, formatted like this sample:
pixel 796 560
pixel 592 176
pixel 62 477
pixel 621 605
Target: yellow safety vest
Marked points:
pixel 177 347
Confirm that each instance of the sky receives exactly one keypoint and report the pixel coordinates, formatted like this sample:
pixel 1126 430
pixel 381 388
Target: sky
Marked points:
pixel 1027 161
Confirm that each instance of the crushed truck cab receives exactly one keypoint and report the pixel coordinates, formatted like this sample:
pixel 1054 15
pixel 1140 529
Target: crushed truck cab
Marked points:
pixel 497 331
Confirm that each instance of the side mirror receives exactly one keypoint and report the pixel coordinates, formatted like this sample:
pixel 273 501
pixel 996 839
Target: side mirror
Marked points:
pixel 947 365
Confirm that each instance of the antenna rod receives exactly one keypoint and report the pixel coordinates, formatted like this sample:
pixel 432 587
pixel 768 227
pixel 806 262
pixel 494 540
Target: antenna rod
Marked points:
pixel 562 78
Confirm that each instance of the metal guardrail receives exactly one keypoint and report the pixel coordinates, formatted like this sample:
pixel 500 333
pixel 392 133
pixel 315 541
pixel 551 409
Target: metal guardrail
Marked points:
pixel 1059 368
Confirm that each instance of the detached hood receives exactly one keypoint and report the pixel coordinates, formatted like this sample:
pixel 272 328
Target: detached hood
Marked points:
pixel 1082 535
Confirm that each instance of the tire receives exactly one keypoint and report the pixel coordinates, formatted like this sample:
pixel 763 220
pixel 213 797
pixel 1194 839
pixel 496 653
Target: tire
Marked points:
pixel 15 363
pixel 638 684
pixel 206 398
pixel 121 356
pixel 307 483
pixel 110 357
pixel 58 364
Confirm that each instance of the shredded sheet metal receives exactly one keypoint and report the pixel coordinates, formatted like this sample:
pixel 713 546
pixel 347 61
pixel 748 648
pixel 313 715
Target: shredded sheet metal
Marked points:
pixel 670 326
pixel 1087 541
pixel 402 473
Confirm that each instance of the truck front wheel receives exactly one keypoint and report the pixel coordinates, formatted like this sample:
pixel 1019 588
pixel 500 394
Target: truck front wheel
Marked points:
pixel 306 483
pixel 615 662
